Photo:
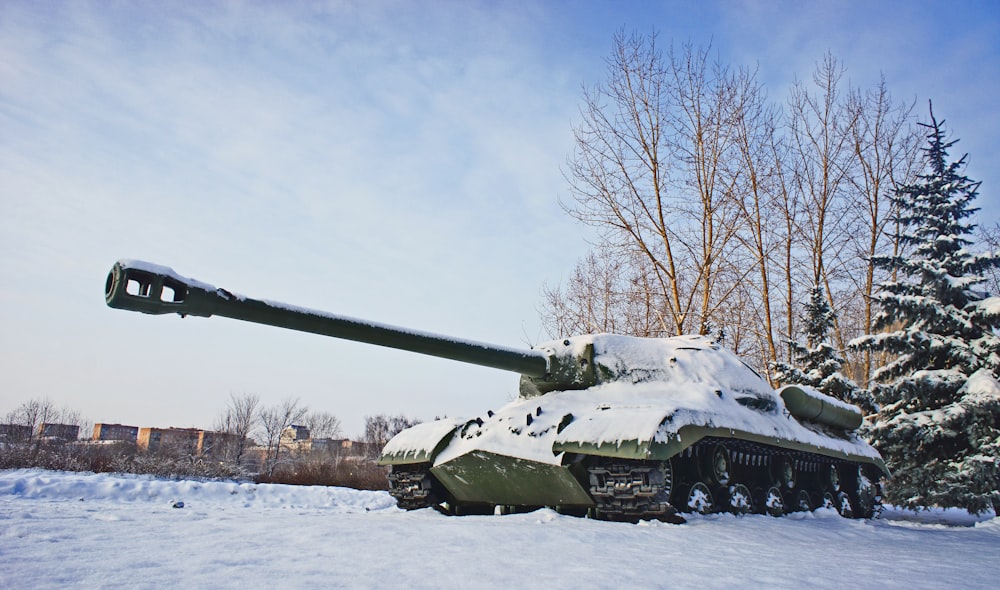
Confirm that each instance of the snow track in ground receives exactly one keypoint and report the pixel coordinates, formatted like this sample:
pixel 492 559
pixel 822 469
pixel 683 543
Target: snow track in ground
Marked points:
pixel 89 531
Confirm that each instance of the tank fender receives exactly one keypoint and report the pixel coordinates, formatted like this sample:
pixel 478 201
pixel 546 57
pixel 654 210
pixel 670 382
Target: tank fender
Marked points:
pixel 628 433
pixel 420 443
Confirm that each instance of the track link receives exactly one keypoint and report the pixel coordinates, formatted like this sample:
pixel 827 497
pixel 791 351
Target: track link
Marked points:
pixel 413 486
pixel 630 490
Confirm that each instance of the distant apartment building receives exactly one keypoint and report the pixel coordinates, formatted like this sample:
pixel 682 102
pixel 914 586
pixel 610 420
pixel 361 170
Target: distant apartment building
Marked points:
pixel 120 432
pixel 12 433
pixel 354 447
pixel 216 444
pixel 339 447
pixel 296 438
pixel 295 433
pixel 326 445
pixel 65 432
pixel 342 446
pixel 188 441
pixel 181 440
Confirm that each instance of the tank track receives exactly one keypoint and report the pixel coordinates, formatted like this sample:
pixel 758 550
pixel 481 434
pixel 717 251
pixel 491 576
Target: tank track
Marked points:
pixel 731 475
pixel 739 476
pixel 630 491
pixel 713 475
pixel 413 486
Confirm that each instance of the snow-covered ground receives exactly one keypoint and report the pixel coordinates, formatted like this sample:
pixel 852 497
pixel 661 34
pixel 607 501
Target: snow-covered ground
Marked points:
pixel 110 531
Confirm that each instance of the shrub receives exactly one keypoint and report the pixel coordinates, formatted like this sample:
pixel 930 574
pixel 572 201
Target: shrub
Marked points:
pixel 361 475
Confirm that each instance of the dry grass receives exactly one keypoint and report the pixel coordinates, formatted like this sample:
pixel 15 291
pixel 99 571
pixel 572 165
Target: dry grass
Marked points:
pixel 123 458
pixel 349 474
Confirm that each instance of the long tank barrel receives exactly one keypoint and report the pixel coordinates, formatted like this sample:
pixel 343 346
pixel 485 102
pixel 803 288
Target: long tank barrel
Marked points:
pixel 154 289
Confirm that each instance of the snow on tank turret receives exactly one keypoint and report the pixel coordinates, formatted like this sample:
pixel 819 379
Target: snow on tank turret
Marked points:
pixel 616 427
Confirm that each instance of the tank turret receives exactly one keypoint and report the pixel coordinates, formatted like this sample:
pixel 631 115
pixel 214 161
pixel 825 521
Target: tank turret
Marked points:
pixel 613 426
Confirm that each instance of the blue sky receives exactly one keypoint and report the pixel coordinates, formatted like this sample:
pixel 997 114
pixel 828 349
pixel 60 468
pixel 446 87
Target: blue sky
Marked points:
pixel 395 161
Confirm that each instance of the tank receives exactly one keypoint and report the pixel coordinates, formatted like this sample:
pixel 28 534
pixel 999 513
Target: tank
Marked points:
pixel 608 426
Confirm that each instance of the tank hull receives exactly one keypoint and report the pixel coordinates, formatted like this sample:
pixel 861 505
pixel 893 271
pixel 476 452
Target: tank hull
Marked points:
pixel 557 449
pixel 489 479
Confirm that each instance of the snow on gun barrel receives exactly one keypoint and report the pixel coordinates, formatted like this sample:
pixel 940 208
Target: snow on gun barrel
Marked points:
pixel 616 427
pixel 145 287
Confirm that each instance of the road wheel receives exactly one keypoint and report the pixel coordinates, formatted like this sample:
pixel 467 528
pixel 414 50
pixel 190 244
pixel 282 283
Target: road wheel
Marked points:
pixel 740 500
pixel 699 499
pixel 802 502
pixel 773 502
pixel 716 466
pixel 783 473
pixel 832 478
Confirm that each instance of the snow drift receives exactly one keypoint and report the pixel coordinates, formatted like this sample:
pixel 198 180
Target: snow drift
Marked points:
pixel 110 531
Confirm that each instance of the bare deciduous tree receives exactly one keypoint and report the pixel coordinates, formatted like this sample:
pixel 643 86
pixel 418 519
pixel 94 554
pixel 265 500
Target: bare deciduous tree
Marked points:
pixel 716 211
pixel 651 170
pixel 379 429
pixel 608 291
pixel 619 175
pixel 759 200
pixel 33 413
pixel 821 127
pixel 322 425
pixel 239 419
pixel 990 237
pixel 273 421
pixel 886 148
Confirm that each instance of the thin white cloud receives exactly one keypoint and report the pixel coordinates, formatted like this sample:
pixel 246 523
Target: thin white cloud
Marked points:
pixel 394 160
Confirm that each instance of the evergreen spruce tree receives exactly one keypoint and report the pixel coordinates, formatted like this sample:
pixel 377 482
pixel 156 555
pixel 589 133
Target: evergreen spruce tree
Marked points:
pixel 817 363
pixel 939 423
